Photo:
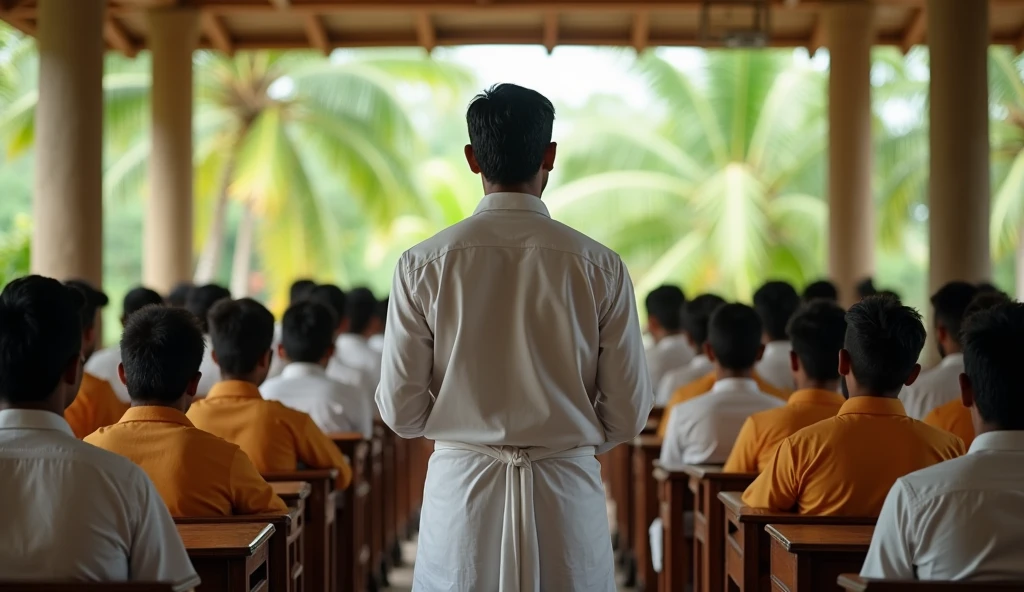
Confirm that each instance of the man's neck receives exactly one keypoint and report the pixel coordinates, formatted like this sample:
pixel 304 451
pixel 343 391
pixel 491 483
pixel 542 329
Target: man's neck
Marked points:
pixel 177 405
pixel 250 378
pixel 528 188
pixel 864 393
pixel 817 385
pixel 951 348
pixel 48 405
pixel 725 373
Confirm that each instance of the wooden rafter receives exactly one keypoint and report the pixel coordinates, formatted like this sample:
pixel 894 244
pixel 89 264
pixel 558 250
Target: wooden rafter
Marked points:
pixel 817 37
pixel 640 33
pixel 215 31
pixel 282 4
pixel 1019 46
pixel 317 34
pixel 426 36
pixel 915 30
pixel 550 31
pixel 115 35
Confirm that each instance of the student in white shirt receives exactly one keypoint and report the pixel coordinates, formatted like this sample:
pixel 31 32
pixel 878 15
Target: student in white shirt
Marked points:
pixel 376 341
pixel 103 364
pixel 939 385
pixel 962 519
pixel 200 300
pixel 299 291
pixel 775 303
pixel 820 290
pixel 336 300
pixel 696 314
pixel 671 349
pixel 71 511
pixel 306 347
pixel 353 347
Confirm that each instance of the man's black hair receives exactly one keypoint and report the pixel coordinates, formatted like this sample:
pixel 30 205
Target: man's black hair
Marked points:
pixel 94 301
pixel 697 313
pixel 333 298
pixel 138 298
pixel 821 290
pixel 984 301
pixel 884 339
pixel 950 303
pixel 381 312
pixel 665 303
pixel 300 290
pixel 40 336
pixel 360 305
pixel 817 332
pixel 775 303
pixel 510 129
pixel 307 332
pixel 734 334
pixel 202 298
pixel 161 349
pixel 242 332
pixel 866 287
pixel 993 342
pixel 988 287
pixel 178 297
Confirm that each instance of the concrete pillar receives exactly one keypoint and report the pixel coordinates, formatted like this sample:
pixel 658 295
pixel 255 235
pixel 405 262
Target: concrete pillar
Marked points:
pixel 167 242
pixel 851 254
pixel 958 38
pixel 67 240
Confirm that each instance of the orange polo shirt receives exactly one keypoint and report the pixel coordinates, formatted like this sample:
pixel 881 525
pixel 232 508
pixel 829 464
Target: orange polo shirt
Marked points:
pixel 196 473
pixel 703 385
pixel 763 432
pixel 845 466
pixel 955 419
pixel 275 437
pixel 94 407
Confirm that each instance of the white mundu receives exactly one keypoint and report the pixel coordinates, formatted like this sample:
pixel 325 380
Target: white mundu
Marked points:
pixel 934 388
pixel 513 341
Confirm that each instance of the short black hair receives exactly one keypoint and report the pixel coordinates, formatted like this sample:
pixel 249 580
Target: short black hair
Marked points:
pixel 360 305
pixel 307 331
pixel 665 303
pixel 821 290
pixel 697 313
pixel 94 301
pixel 510 128
pixel 381 312
pixel 950 303
pixel 993 342
pixel 300 290
pixel 984 301
pixel 775 303
pixel 40 335
pixel 817 332
pixel 734 333
pixel 202 298
pixel 179 294
pixel 988 287
pixel 866 287
pixel 138 298
pixel 161 349
pixel 242 332
pixel 884 339
pixel 333 298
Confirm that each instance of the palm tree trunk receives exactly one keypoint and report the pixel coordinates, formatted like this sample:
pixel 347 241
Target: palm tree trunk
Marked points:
pixel 1020 261
pixel 241 265
pixel 213 248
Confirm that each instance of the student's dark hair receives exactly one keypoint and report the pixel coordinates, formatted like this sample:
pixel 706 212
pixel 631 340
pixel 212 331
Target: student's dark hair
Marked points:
pixel 333 298
pixel 866 287
pixel 138 298
pixel 697 313
pixel 94 301
pixel 161 349
pixel 40 336
pixel 178 296
pixel 984 301
pixel 360 305
pixel 510 129
pixel 202 298
pixel 300 290
pixel 242 332
pixel 993 343
pixel 307 331
pixel 950 303
pixel 821 290
pixel 817 332
pixel 884 339
pixel 665 303
pixel 381 312
pixel 734 333
pixel 775 303
pixel 985 287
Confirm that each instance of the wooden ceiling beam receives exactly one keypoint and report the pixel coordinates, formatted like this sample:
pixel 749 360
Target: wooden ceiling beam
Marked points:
pixel 116 36
pixel 916 30
pixel 316 34
pixel 817 40
pixel 281 4
pixel 215 31
pixel 640 35
pixel 1019 46
pixel 550 31
pixel 426 36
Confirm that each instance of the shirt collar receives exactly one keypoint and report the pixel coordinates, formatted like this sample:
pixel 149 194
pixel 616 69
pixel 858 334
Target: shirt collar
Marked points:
pixel 777 347
pixel 1003 440
pixel 736 384
pixel 956 359
pixel 816 397
pixel 155 413
pixel 234 388
pixel 872 406
pixel 512 201
pixel 33 419
pixel 302 369
pixel 673 340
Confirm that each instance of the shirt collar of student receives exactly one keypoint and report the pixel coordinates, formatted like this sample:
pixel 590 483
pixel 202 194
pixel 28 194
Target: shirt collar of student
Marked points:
pixel 1000 441
pixel 33 419
pixel 872 406
pixel 156 413
pixel 736 384
pixel 303 369
pixel 235 388
pixel 512 201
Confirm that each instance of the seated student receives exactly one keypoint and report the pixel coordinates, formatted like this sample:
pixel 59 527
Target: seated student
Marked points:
pixel 775 303
pixel 695 316
pixel 703 429
pixel 200 300
pixel 335 299
pixel 671 349
pixel 816 332
pixel 96 404
pixel 70 510
pixel 821 290
pixel 299 292
pixel 962 519
pixel 307 344
pixel 103 364
pixel 381 314
pixel 352 347
pixel 940 385
pixel 178 297
pixel 196 473
pixel 844 466
pixel 275 437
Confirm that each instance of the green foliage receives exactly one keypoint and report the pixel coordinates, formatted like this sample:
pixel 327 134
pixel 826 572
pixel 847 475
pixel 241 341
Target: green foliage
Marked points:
pixel 16 249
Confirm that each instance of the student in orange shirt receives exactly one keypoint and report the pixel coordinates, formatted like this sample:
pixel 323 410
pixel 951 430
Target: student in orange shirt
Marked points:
pixel 846 465
pixel 275 437
pixel 196 473
pixel 816 333
pixel 96 405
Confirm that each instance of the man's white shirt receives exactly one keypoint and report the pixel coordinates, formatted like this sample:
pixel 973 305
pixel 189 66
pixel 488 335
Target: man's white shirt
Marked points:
pixel 704 429
pixel 935 387
pixel 76 512
pixel 103 364
pixel 774 365
pixel 672 352
pixel 334 406
pixel 210 370
pixel 958 520
pixel 674 380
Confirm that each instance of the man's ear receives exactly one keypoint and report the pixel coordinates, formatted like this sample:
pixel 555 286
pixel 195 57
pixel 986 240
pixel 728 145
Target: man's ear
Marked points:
pixel 213 355
pixel 844 362
pixel 549 157
pixel 280 352
pixel 966 391
pixel 88 335
pixel 121 375
pixel 710 353
pixel 914 373
pixel 760 352
pixel 267 358
pixel 471 159
pixel 794 361
pixel 941 332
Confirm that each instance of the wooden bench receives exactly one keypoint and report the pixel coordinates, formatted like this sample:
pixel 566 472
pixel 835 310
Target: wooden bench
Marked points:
pixel 84 587
pixel 855 583
pixel 375 510
pixel 675 500
pixel 353 551
pixel 621 490
pixel 811 557
pixel 320 525
pixel 646 450
pixel 653 420
pixel 229 557
pixel 294 493
pixel 748 545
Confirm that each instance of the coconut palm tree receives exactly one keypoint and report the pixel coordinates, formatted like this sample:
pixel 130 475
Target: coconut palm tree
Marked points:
pixel 1006 83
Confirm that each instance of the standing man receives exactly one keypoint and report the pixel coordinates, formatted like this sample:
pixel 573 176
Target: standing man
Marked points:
pixel 513 341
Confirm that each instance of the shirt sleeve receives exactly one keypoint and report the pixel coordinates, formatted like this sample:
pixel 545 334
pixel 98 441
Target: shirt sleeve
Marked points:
pixel 890 555
pixel 317 451
pixel 250 493
pixel 157 553
pixel 777 487
pixel 403 393
pixel 743 458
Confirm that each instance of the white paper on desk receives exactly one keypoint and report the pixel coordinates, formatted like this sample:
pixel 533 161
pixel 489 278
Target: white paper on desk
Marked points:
pixel 657 551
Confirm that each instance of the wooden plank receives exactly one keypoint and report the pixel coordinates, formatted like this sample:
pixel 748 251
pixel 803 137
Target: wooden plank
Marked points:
pixel 915 34
pixel 216 32
pixel 676 499
pixel 855 583
pixel 425 34
pixel 646 450
pixel 320 525
pixel 229 557
pixel 811 557
pixel 352 549
pixel 317 34
pixel 116 36
pixel 84 587
pixel 641 34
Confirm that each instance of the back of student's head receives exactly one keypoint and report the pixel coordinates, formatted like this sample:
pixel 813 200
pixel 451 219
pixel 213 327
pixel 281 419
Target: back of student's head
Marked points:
pixel 381 312
pixel 178 297
pixel 734 334
pixel 884 339
pixel 866 287
pixel 775 302
pixel 242 332
pixel 307 332
pixel 984 301
pixel 300 290
pixel 161 349
pixel 138 298
pixel 697 314
pixel 40 337
pixel 361 305
pixel 665 305
pixel 821 290
pixel 817 332
pixel 993 342
pixel 333 298
pixel 950 303
pixel 202 298
pixel 985 287
pixel 94 299
pixel 510 129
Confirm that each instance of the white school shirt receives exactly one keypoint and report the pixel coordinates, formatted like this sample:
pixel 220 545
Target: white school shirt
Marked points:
pixel 334 406
pixel 699 367
pixel 72 511
pixel 958 520
pixel 774 365
pixel 672 352
pixel 934 387
pixel 276 363
pixel 354 351
pixel 377 343
pixel 704 429
pixel 210 370
pixel 103 364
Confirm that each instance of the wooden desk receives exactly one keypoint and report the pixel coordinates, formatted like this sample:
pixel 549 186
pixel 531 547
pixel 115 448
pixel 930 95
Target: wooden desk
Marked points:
pixel 675 500
pixel 375 510
pixel 621 477
pixel 353 551
pixel 855 583
pixel 84 587
pixel 294 493
pixel 811 557
pixel 320 525
pixel 653 420
pixel 646 450
pixel 748 546
pixel 229 557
